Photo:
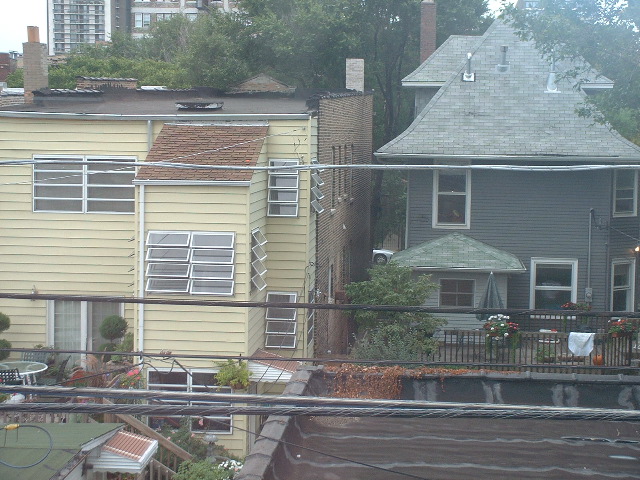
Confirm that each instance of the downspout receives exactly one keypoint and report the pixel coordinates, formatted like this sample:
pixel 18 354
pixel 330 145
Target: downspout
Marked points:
pixel 141 204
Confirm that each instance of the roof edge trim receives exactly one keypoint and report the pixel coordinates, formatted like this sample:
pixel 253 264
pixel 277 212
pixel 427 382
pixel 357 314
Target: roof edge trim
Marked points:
pixel 166 118
pixel 220 183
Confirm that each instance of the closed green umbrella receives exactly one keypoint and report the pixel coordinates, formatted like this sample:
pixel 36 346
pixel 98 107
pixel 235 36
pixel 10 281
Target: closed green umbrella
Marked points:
pixel 490 299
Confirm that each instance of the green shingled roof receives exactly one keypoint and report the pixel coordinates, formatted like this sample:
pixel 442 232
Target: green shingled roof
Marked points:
pixel 457 251
pixel 26 446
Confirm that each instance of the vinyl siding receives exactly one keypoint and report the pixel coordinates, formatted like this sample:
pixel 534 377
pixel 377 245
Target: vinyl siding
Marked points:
pixel 529 215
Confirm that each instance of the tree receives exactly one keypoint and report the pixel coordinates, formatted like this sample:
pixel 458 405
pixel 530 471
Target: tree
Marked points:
pixel 394 335
pixel 606 34
pixel 5 323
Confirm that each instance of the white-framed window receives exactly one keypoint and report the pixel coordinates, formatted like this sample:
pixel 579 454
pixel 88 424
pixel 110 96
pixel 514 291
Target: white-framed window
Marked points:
pixel 142 20
pixel 316 191
pixel 75 325
pixel 451 198
pixel 554 282
pixel 622 285
pixel 456 292
pixel 283 189
pixel 282 325
pixel 258 260
pixel 83 184
pixel 193 381
pixel 625 201
pixel 198 263
pixel 163 16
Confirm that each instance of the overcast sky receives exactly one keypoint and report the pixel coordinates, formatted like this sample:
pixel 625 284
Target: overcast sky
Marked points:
pixel 16 15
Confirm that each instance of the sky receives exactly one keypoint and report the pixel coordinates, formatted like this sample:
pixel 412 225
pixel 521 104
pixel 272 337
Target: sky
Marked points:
pixel 15 16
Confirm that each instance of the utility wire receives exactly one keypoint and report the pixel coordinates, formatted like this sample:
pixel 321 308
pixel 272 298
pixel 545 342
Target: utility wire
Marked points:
pixel 15 426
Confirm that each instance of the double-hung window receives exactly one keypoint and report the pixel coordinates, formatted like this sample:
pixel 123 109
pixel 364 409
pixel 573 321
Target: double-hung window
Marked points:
pixel 193 381
pixel 456 293
pixel 625 202
pixel 83 184
pixel 622 285
pixel 198 263
pixel 282 323
pixel 142 20
pixel 283 189
pixel 451 198
pixel 553 283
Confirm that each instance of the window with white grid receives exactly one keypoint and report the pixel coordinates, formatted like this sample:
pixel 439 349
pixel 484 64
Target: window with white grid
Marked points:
pixel 196 263
pixel 258 259
pixel 193 381
pixel 281 327
pixel 283 189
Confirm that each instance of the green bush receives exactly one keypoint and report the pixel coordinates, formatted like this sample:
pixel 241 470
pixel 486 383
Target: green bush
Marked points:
pixel 5 323
pixel 205 470
pixel 234 375
pixel 112 327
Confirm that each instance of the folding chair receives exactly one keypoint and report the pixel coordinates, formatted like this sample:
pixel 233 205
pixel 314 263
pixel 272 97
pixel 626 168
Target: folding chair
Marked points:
pixel 10 377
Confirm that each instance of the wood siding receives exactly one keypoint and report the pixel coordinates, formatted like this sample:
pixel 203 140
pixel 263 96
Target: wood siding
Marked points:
pixel 534 214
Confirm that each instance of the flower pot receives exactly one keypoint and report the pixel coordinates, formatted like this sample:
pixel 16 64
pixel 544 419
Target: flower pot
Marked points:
pixel 598 360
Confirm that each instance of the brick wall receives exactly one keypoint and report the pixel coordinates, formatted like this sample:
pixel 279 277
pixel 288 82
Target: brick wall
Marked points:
pixel 8 100
pixel 94 83
pixel 343 229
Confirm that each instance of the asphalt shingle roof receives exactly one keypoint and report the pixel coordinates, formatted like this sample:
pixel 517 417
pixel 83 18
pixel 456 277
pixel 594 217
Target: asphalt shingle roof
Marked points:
pixel 229 145
pixel 457 251
pixel 503 114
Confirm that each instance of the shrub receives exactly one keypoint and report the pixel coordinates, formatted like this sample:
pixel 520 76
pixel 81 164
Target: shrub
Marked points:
pixel 5 345
pixel 112 327
pixel 234 375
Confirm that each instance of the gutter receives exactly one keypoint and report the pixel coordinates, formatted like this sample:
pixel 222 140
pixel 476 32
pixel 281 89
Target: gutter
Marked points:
pixel 160 117
pixel 506 158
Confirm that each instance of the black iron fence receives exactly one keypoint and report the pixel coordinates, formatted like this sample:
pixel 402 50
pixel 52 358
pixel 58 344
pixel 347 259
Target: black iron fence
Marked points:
pixel 540 350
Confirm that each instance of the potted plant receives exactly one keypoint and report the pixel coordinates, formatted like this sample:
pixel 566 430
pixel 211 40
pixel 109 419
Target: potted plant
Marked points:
pixel 546 354
pixel 618 328
pixel 499 327
pixel 233 374
pixel 112 328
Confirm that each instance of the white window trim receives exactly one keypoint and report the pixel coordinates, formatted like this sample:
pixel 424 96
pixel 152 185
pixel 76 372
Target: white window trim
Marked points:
pixel 631 262
pixel 467 206
pixel 535 261
pixel 274 162
pixel 83 167
pixel 473 292
pixel 189 387
pixel 275 339
pixel 634 212
pixel 187 243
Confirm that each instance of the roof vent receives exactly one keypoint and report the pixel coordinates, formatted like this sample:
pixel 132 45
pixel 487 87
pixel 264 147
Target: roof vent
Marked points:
pixel 551 79
pixel 503 66
pixel 199 105
pixel 468 75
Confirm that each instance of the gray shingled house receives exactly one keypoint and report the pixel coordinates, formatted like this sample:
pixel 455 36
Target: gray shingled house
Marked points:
pixel 513 181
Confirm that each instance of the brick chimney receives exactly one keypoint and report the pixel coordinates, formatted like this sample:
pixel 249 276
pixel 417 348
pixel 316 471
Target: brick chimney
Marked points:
pixel 427 29
pixel 36 73
pixel 355 74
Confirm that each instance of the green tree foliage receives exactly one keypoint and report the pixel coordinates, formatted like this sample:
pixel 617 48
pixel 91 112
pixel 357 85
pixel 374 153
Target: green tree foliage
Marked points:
pixel 396 335
pixel 16 79
pixel 606 34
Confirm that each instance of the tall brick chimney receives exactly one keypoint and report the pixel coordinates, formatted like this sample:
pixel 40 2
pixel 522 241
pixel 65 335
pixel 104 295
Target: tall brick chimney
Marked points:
pixel 427 29
pixel 36 73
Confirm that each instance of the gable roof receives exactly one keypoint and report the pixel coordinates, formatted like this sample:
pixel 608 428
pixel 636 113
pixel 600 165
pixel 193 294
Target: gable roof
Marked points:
pixel 223 145
pixel 125 452
pixel 506 115
pixel 458 252
pixel 262 83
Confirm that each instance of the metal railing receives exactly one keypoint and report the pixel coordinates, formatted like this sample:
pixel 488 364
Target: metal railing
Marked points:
pixel 540 351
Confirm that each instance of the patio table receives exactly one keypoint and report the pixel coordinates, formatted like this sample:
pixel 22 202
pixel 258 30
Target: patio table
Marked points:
pixel 27 369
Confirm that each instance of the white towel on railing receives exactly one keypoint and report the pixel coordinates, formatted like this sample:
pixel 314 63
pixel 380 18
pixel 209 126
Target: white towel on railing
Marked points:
pixel 581 344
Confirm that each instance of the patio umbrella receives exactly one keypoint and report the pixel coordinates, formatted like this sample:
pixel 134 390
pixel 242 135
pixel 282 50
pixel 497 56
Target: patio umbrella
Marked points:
pixel 490 299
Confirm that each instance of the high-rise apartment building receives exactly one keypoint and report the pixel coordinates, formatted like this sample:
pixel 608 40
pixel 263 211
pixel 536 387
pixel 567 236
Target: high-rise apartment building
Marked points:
pixel 75 22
